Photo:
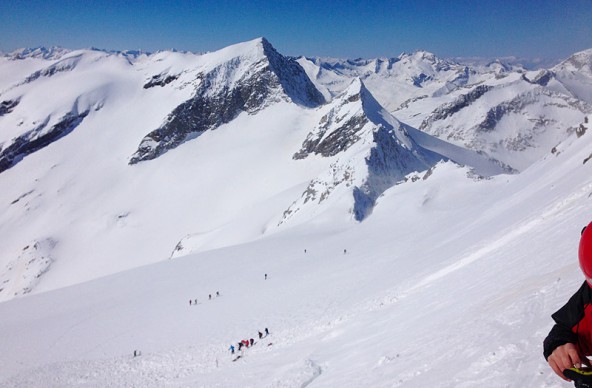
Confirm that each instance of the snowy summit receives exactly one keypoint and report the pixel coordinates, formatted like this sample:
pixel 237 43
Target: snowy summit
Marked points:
pixel 390 222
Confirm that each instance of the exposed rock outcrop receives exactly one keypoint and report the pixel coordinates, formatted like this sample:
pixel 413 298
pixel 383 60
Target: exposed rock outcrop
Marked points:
pixel 244 83
pixel 38 138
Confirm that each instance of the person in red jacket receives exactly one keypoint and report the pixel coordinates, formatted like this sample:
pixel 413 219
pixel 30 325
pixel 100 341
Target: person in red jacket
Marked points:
pixel 570 340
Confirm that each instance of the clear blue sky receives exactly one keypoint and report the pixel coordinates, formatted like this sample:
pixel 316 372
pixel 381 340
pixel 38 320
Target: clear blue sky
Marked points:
pixel 371 28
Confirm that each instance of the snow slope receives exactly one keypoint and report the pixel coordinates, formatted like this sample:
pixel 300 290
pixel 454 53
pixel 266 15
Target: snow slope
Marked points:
pixel 449 282
pixel 454 288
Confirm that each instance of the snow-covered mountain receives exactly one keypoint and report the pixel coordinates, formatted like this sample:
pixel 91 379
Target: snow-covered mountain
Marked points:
pixel 513 115
pixel 575 75
pixel 374 148
pixel 49 53
pixel 375 151
pixel 394 203
pixel 241 78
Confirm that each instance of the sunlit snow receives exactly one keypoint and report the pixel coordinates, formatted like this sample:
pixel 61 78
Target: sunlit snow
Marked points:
pixel 449 283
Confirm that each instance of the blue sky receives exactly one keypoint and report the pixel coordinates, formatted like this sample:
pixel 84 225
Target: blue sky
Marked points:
pixel 372 28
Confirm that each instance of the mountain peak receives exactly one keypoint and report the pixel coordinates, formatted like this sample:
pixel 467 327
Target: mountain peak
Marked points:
pixel 378 149
pixel 580 61
pixel 255 48
pixel 369 106
pixel 419 56
pixel 246 77
pixel 50 53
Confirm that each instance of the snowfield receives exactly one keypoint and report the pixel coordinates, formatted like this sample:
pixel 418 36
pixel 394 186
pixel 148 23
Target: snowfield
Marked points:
pixel 449 282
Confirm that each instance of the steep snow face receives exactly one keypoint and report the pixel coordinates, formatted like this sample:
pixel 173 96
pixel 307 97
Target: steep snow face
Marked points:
pixel 251 77
pixel 39 137
pixel 24 272
pixel 516 124
pixel 447 269
pixel 375 152
pixel 579 62
pixel 79 83
pixel 575 74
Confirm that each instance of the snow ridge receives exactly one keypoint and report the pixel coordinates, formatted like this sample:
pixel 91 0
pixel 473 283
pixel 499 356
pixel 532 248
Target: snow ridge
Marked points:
pixel 47 53
pixel 377 151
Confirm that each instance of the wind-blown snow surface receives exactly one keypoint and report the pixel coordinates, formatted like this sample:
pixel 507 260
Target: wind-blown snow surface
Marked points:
pixel 450 282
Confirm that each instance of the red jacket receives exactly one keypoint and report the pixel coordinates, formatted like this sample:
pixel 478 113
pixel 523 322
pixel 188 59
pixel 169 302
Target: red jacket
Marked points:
pixel 573 323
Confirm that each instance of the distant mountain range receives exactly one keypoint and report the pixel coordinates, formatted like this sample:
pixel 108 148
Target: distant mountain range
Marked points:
pixel 105 148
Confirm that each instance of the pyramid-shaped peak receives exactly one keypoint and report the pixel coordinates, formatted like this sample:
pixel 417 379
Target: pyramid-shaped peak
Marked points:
pixel 256 48
pixel 358 93
pixel 357 88
pixel 259 43
pixel 354 88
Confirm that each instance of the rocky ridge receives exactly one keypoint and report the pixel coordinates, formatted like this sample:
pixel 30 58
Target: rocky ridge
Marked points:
pixel 255 82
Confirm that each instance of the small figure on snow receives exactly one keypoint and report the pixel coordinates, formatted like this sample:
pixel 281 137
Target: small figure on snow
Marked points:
pixel 210 296
pixel 240 345
pixel 265 276
pixel 266 332
pixel 344 251
pixel 190 301
pixel 231 349
pixel 251 341
pixel 217 294
pixel 260 334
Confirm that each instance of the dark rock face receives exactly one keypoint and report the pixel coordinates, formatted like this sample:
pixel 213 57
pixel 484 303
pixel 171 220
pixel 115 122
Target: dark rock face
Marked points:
pixel 542 78
pixel 160 80
pixel 293 79
pixel 494 115
pixel 30 142
pixel 338 141
pixel 269 80
pixel 204 112
pixel 516 105
pixel 61 66
pixel 420 79
pixel 461 102
pixel 7 106
pixel 338 130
